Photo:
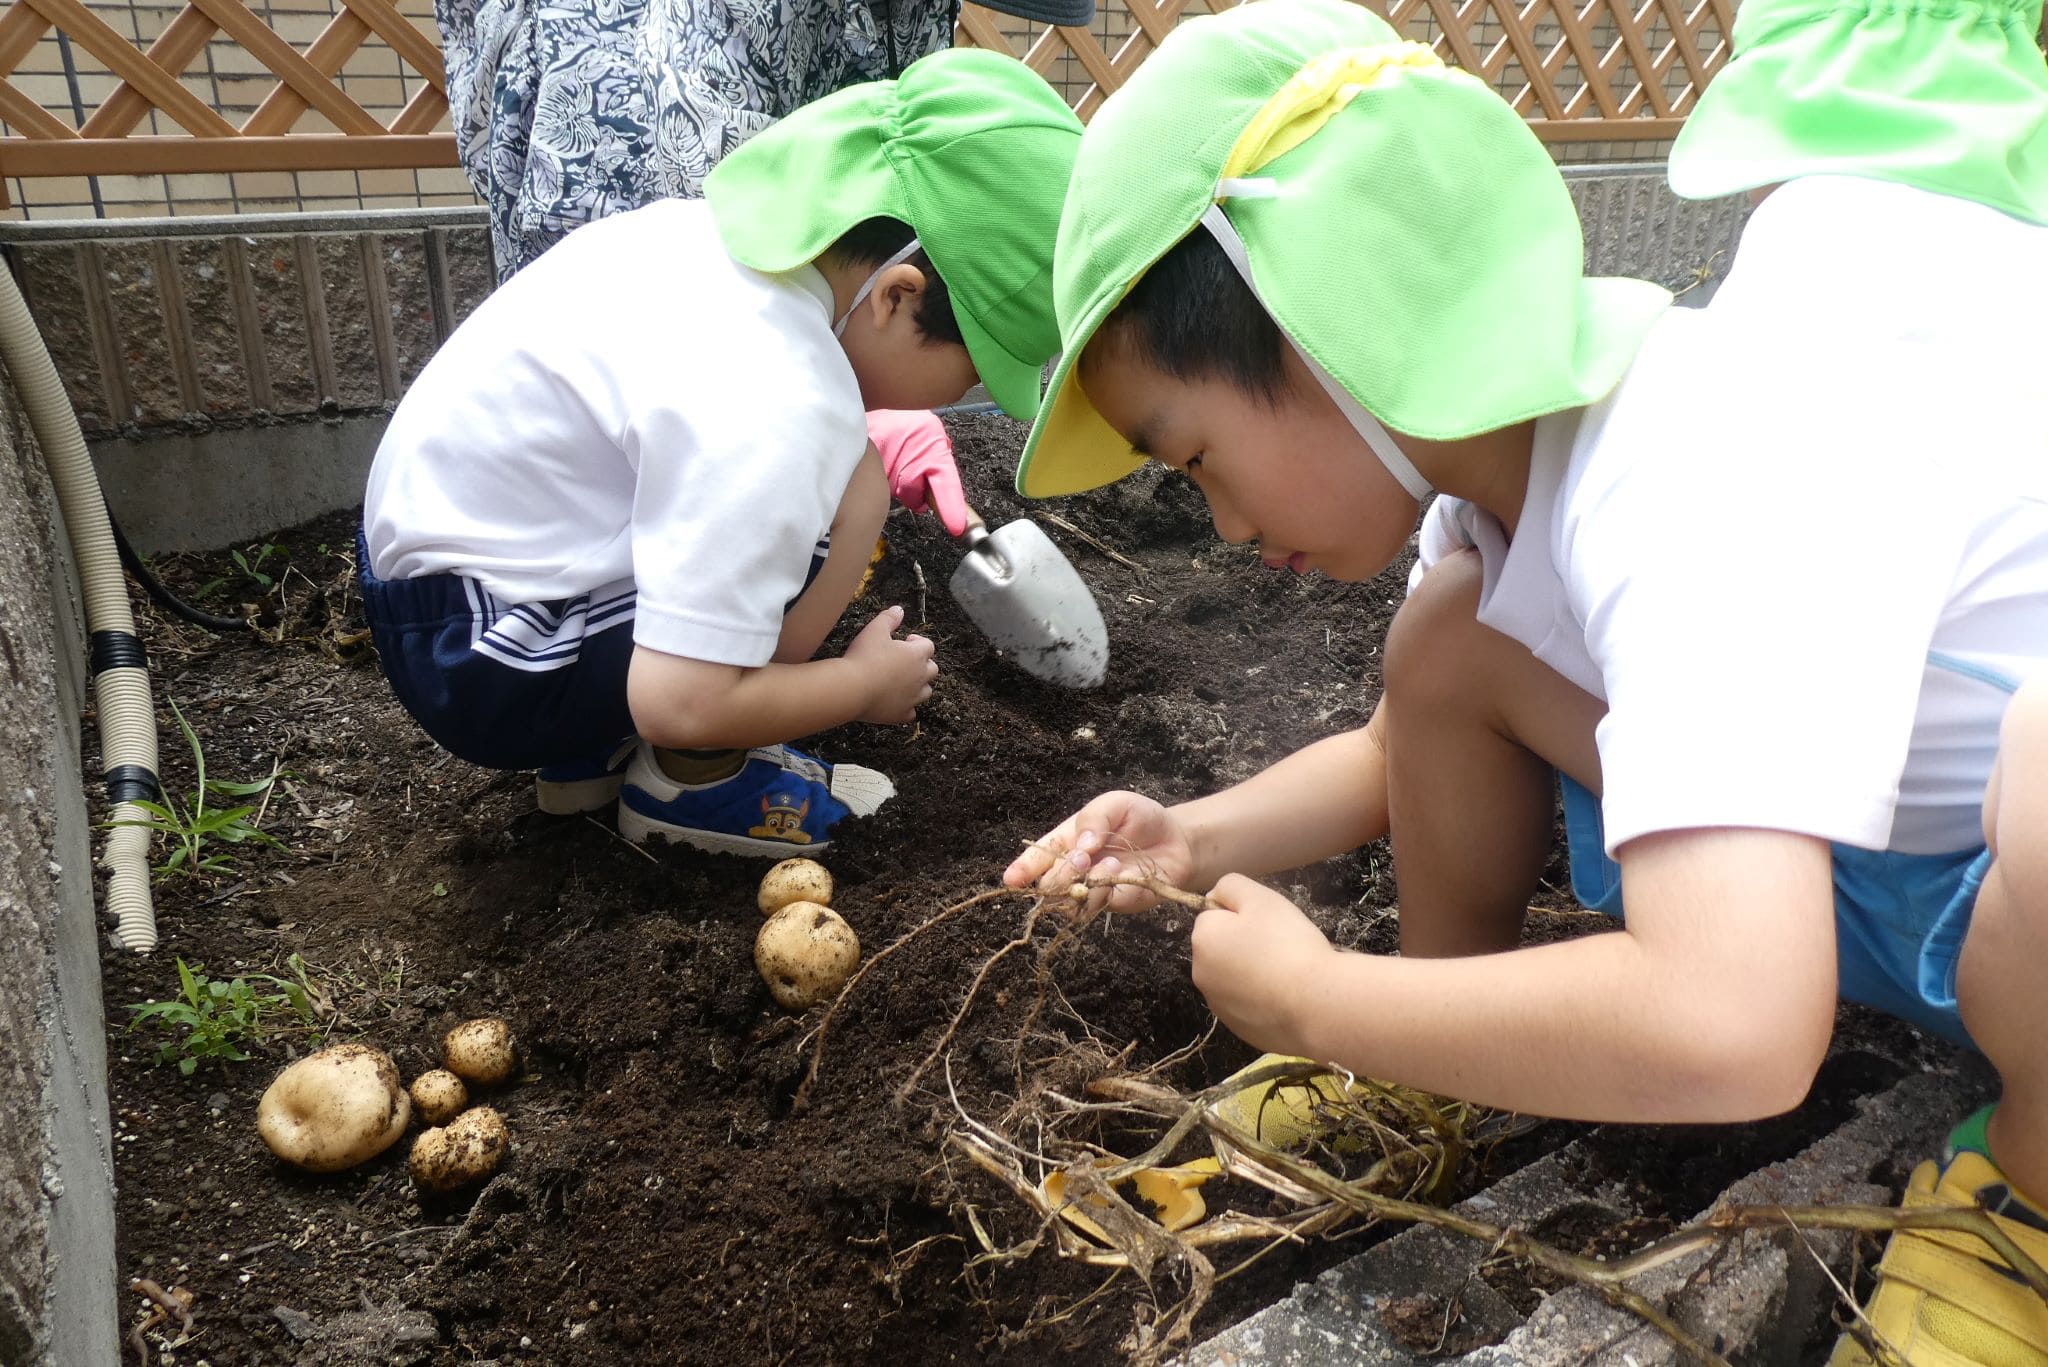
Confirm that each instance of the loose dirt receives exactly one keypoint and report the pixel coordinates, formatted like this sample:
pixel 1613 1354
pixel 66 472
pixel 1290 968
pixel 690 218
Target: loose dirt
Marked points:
pixel 662 1203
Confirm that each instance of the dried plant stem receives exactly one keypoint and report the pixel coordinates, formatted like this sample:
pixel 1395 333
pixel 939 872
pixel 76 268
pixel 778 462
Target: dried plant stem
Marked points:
pixel 1056 520
pixel 1606 1279
pixel 1022 939
pixel 1152 883
pixel 803 1090
pixel 1863 1219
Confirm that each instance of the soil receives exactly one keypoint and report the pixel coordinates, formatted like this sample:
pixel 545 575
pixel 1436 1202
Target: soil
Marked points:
pixel 662 1202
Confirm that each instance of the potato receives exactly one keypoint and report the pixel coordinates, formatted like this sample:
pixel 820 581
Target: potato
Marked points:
pixel 804 952
pixel 465 1152
pixel 479 1050
pixel 334 1109
pixel 794 880
pixel 439 1096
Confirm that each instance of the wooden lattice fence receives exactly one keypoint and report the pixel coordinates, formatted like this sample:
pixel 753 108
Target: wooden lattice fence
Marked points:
pixel 209 90
pixel 1578 70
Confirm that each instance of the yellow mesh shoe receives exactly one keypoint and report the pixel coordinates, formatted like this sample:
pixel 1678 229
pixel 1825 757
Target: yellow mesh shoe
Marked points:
pixel 1949 1300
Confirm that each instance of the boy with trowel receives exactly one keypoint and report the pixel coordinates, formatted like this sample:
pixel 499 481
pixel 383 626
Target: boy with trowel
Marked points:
pixel 619 511
pixel 1763 585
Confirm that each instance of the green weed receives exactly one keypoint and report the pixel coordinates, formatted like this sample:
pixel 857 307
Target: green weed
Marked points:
pixel 216 1020
pixel 193 828
pixel 249 563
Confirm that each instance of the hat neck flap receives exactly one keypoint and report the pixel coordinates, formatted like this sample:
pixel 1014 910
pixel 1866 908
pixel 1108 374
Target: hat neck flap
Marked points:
pixel 1295 113
pixel 1375 433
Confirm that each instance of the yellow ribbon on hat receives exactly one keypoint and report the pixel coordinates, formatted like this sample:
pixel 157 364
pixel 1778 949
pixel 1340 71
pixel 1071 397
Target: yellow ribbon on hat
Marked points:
pixel 1314 94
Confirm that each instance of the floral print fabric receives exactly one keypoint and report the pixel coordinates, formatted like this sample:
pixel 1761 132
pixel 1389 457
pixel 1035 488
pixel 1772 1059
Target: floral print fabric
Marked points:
pixel 568 110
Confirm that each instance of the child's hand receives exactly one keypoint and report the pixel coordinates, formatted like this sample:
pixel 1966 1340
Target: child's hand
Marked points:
pixel 918 458
pixel 899 673
pixel 1257 959
pixel 1144 837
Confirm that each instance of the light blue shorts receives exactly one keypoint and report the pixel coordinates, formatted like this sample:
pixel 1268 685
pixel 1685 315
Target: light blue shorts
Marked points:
pixel 1899 918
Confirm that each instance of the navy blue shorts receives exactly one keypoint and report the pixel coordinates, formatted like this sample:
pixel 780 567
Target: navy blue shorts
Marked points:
pixel 504 685
pixel 507 685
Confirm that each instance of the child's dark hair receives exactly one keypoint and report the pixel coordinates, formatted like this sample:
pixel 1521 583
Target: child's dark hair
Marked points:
pixel 873 241
pixel 1193 317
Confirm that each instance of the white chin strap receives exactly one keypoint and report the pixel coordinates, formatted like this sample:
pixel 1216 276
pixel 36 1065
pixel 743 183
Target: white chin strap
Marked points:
pixel 909 250
pixel 1376 436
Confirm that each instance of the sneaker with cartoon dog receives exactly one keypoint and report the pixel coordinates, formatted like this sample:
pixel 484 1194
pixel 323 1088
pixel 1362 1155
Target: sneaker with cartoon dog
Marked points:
pixel 781 802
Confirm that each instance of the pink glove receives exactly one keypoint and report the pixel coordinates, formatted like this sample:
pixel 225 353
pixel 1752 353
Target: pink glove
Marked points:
pixel 918 457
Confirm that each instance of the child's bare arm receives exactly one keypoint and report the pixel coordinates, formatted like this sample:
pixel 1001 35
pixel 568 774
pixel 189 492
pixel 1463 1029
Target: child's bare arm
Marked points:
pixel 855 530
pixel 690 704
pixel 1323 800
pixel 1320 801
pixel 1715 1004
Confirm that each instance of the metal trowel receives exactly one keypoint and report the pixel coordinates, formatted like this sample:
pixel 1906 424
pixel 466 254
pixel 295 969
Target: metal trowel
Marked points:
pixel 1030 602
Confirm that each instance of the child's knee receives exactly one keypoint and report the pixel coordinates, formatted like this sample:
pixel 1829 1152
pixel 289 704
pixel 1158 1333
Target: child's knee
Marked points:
pixel 1997 978
pixel 1431 645
pixel 2016 797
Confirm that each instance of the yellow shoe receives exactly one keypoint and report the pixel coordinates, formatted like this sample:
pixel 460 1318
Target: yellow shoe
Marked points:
pixel 1946 1299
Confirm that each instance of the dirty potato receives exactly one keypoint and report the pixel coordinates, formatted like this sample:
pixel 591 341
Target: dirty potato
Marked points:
pixel 465 1151
pixel 794 880
pixel 479 1050
pixel 804 952
pixel 439 1096
pixel 334 1108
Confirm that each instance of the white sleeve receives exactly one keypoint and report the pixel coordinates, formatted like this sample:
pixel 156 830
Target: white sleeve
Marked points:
pixel 732 500
pixel 1446 527
pixel 1760 576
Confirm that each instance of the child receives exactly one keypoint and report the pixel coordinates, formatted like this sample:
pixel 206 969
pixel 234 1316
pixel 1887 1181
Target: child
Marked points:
pixel 1765 583
pixel 634 491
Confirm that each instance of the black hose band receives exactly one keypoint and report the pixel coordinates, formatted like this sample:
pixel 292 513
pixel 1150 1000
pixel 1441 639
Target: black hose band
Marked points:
pixel 132 783
pixel 117 650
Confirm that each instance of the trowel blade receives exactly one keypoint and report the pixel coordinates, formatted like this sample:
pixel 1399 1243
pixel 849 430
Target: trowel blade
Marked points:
pixel 1031 604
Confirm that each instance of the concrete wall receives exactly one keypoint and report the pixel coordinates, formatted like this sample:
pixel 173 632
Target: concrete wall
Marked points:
pixel 58 1301
pixel 198 491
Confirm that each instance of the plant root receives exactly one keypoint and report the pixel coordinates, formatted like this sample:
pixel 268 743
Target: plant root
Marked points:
pixel 175 1304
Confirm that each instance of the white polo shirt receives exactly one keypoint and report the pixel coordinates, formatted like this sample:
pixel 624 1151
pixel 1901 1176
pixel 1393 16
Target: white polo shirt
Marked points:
pixel 1802 550
pixel 635 411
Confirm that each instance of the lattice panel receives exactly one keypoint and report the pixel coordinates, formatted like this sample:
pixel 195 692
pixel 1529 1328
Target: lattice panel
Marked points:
pixel 143 115
pixel 276 101
pixel 1602 70
pixel 1106 55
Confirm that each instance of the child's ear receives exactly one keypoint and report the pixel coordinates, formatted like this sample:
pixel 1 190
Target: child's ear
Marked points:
pixel 901 287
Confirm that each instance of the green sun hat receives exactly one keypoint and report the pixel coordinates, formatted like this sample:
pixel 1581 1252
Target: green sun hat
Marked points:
pixel 1400 222
pixel 1947 95
pixel 971 148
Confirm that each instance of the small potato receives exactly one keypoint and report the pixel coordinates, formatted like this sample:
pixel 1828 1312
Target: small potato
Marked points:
pixel 804 952
pixel 479 1050
pixel 334 1108
pixel 466 1151
pixel 439 1096
pixel 794 880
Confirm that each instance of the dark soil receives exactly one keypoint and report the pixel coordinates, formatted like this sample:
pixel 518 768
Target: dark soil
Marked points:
pixel 662 1202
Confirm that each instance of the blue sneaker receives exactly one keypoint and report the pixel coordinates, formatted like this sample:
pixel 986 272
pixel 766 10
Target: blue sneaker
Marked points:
pixel 587 786
pixel 780 801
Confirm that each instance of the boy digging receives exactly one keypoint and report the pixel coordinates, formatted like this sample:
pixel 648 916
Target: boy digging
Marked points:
pixel 619 511
pixel 1765 585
